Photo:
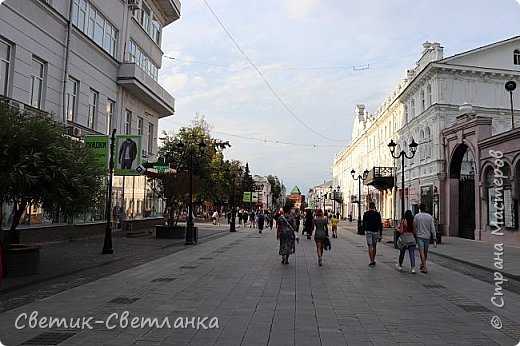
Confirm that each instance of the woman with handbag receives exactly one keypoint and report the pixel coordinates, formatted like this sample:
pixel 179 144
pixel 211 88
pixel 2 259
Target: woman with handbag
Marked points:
pixel 286 234
pixel 406 241
pixel 321 234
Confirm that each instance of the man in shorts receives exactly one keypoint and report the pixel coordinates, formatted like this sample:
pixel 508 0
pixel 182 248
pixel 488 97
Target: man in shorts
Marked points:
pixel 424 227
pixel 373 231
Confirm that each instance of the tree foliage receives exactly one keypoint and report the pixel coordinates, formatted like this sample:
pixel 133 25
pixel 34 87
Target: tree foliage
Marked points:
pixel 41 166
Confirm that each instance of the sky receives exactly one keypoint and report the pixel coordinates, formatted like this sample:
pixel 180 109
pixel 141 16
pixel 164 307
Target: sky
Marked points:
pixel 280 79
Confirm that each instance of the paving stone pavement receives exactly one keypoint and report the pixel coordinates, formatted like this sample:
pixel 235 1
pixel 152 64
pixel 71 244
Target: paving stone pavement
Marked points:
pixel 238 280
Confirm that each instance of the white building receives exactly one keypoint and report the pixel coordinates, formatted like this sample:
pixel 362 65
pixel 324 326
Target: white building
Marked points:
pixel 424 103
pixel 94 64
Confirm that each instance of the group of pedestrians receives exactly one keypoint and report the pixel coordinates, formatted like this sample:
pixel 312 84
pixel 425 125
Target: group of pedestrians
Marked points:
pixel 414 231
pixel 317 223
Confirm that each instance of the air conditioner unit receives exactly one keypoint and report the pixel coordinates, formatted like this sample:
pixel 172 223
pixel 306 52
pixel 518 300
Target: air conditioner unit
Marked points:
pixel 74 131
pixel 134 4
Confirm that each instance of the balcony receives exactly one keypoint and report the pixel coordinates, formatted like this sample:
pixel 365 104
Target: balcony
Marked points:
pixel 382 178
pixel 143 87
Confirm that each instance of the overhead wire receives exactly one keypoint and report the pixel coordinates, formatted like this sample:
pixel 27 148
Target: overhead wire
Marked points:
pixel 251 62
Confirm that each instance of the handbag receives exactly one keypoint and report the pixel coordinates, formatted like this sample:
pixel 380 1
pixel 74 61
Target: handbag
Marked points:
pixel 406 239
pixel 327 244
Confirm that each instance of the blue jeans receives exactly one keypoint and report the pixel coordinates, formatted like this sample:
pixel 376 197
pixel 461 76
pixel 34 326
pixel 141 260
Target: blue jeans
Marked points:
pixel 423 243
pixel 411 252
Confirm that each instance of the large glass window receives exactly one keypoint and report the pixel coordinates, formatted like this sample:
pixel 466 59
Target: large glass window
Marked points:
pixel 5 59
pixel 145 17
pixel 97 27
pixel 72 96
pixel 37 74
pixel 136 55
pixel 92 108
pixel 109 116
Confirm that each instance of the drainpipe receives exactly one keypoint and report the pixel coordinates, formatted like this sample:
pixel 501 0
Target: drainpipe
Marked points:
pixel 66 65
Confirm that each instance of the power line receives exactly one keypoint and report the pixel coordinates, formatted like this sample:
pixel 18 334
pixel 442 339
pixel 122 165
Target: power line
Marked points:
pixel 265 80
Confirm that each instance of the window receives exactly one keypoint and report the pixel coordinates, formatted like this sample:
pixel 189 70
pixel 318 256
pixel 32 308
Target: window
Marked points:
pixel 109 116
pixel 72 96
pixel 428 138
pixel 406 115
pixel 423 101
pixel 92 108
pixel 145 17
pixel 422 149
pixel 128 122
pixel 37 73
pixel 413 107
pixel 516 57
pixel 501 196
pixel 156 31
pixel 150 139
pixel 140 125
pixel 97 27
pixel 136 55
pixel 5 59
pixel 429 92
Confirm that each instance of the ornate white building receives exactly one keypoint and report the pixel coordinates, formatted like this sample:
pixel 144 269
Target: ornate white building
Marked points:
pixel 420 107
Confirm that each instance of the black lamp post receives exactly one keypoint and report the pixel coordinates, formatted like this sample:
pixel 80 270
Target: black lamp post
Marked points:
pixel 402 155
pixel 511 86
pixel 359 178
pixel 191 238
pixel 337 189
pixel 233 215
pixel 107 244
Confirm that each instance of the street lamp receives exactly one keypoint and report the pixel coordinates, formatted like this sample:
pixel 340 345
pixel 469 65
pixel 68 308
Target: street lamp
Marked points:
pixel 339 210
pixel 359 178
pixel 511 86
pixel 233 176
pixel 191 238
pixel 402 155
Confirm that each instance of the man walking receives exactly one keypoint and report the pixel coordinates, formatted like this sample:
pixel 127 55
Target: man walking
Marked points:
pixel 423 223
pixel 373 231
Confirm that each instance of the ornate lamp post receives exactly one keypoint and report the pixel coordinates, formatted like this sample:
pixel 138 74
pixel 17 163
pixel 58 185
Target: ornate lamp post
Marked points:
pixel 359 178
pixel 337 189
pixel 191 238
pixel 402 155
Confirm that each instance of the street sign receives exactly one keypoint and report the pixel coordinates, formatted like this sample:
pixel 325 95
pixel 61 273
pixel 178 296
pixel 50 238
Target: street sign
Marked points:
pixel 160 167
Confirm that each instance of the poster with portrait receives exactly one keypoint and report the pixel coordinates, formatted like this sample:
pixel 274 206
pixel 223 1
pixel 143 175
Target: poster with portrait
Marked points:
pixel 127 155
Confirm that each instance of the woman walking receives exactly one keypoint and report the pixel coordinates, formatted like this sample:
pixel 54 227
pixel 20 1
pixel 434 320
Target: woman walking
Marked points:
pixel 285 233
pixel 321 233
pixel 308 224
pixel 406 241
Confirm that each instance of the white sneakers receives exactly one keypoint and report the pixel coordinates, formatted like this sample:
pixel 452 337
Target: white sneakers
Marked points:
pixel 399 268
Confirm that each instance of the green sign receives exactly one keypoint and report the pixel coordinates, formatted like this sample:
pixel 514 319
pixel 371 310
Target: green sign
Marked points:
pixel 247 197
pixel 127 155
pixel 99 145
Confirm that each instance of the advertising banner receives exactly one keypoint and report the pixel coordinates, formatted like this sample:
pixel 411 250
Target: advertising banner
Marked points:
pixel 127 155
pixel 247 197
pixel 100 146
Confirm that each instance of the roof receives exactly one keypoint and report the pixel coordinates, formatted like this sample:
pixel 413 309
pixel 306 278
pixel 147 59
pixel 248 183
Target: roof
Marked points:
pixel 295 191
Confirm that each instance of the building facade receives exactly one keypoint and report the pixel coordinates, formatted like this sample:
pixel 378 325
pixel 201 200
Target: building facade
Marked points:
pixel 426 102
pixel 94 65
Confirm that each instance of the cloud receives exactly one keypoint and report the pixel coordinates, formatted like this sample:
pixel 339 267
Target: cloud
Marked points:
pixel 301 9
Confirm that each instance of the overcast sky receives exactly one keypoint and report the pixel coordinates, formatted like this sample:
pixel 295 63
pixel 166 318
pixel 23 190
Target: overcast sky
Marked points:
pixel 316 60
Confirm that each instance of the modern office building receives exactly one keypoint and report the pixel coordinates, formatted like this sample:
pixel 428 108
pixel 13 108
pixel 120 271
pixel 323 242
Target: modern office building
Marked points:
pixel 94 65
pixel 429 100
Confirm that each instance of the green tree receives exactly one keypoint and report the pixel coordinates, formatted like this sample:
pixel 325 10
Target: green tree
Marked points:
pixel 43 167
pixel 206 163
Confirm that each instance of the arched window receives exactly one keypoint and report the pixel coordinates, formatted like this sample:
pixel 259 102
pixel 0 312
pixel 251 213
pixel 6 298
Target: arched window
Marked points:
pixel 428 138
pixel 422 151
pixel 516 57
pixel 501 206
